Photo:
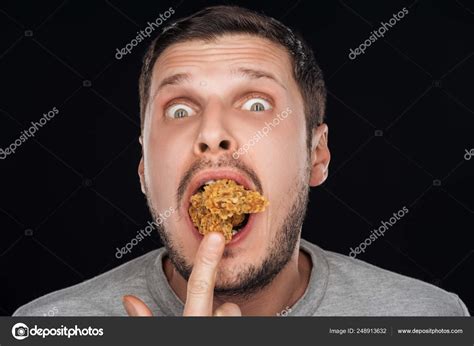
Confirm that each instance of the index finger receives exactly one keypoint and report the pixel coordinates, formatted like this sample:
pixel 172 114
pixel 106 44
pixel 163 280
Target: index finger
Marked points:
pixel 200 292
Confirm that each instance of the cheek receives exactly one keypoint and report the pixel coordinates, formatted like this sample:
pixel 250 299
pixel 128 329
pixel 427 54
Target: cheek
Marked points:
pixel 281 161
pixel 164 157
pixel 282 154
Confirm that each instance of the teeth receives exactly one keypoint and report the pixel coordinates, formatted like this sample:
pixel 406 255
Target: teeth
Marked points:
pixel 209 182
pixel 234 232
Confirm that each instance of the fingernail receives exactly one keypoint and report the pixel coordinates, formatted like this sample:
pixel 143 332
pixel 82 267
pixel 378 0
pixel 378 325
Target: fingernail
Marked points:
pixel 215 238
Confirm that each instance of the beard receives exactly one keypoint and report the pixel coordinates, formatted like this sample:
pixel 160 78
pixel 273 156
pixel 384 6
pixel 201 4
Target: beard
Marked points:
pixel 248 279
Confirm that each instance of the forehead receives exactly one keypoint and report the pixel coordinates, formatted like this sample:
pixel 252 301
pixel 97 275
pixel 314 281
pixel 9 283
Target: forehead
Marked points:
pixel 221 57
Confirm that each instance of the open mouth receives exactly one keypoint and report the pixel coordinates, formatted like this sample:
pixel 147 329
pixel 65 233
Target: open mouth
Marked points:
pixel 237 228
pixel 238 221
pixel 223 205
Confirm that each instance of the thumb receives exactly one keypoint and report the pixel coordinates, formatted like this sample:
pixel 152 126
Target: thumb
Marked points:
pixel 135 306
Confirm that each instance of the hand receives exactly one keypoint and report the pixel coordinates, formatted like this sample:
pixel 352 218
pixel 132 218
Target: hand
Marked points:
pixel 200 289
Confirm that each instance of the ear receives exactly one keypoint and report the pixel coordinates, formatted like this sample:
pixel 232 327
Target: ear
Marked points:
pixel 141 168
pixel 320 155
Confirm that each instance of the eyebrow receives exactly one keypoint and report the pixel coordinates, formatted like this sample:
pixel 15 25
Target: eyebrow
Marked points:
pixel 249 73
pixel 256 74
pixel 175 79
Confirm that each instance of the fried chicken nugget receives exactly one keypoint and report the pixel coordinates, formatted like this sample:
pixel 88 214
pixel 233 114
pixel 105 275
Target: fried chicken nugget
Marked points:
pixel 222 205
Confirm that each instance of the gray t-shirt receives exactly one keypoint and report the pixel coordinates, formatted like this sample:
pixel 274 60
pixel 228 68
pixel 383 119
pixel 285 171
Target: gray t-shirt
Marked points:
pixel 338 286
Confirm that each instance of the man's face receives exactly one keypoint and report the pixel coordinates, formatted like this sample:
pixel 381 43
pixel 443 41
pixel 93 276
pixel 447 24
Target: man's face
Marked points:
pixel 208 100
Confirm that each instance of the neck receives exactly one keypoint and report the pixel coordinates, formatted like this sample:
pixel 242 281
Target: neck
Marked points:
pixel 284 290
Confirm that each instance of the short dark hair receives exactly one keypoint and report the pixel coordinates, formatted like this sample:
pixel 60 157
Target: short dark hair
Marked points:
pixel 216 21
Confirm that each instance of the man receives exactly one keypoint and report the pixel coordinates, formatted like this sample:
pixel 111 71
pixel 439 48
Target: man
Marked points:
pixel 210 84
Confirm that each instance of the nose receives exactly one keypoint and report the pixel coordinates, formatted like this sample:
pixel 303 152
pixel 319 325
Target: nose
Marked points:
pixel 215 134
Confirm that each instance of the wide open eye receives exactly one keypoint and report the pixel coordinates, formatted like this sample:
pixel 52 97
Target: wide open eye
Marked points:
pixel 256 104
pixel 179 110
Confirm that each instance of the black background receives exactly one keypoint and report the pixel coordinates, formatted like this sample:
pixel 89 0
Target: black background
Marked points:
pixel 400 117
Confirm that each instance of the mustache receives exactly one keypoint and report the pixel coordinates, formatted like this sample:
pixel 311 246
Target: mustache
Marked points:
pixel 222 162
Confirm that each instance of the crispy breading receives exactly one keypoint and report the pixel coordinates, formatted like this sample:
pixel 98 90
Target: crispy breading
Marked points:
pixel 223 205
